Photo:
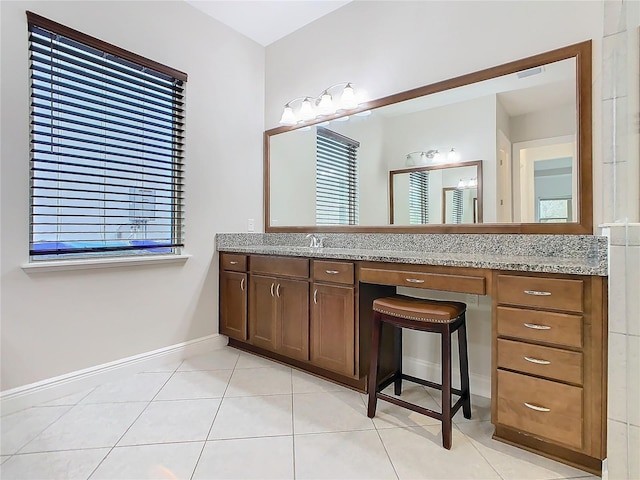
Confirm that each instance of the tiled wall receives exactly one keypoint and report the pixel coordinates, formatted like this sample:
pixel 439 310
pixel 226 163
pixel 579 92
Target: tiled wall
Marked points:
pixel 620 204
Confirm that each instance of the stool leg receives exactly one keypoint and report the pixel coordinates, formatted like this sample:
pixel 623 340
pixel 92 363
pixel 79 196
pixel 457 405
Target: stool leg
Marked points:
pixel 397 385
pixel 373 365
pixel 446 387
pixel 464 369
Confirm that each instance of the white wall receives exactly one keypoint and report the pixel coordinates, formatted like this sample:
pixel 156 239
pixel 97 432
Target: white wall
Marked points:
pixel 59 322
pixel 386 47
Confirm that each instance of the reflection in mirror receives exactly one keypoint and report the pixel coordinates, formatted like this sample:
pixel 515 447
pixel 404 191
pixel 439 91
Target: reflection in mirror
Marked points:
pixel 526 120
pixel 418 195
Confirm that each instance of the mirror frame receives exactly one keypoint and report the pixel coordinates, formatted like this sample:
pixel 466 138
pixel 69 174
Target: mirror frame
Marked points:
pixel 582 54
pixel 471 163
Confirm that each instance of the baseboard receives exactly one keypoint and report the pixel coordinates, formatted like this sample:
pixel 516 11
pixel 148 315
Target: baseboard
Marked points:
pixel 479 384
pixel 46 390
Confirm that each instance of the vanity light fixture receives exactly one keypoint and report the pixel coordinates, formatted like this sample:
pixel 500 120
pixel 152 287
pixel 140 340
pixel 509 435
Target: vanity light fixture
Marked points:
pixel 320 106
pixel 434 155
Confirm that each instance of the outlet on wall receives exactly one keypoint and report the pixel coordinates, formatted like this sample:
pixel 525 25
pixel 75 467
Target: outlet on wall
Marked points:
pixel 251 225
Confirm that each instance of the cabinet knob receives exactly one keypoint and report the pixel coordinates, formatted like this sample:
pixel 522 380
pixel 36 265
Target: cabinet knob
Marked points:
pixel 242 284
pixel 278 291
pixel 272 285
pixel 414 280
pixel 332 272
pixel 233 262
pixel 315 296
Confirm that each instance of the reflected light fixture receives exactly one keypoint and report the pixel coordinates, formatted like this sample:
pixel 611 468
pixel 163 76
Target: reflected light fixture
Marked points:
pixel 320 106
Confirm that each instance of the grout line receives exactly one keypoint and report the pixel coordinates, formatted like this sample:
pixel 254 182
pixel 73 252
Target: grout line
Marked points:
pixel 293 429
pixel 385 449
pixel 470 440
pixel 206 438
pixel 70 407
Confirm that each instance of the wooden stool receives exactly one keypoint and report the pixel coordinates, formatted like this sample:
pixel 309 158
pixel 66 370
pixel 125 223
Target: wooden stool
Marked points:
pixel 426 316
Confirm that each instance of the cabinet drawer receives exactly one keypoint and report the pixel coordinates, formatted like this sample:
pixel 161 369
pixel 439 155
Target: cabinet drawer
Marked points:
pixel 548 327
pixel 334 272
pixel 233 262
pixel 553 293
pixel 553 363
pixel 436 281
pixel 280 266
pixel 546 409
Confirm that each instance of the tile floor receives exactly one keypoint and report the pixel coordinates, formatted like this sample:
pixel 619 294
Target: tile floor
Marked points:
pixel 232 415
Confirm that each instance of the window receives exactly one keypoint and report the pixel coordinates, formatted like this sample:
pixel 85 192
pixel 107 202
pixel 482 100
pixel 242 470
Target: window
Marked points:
pixel 419 198
pixel 336 179
pixel 106 148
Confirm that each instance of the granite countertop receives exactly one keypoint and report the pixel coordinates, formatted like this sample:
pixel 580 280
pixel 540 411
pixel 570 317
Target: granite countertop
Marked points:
pixel 594 263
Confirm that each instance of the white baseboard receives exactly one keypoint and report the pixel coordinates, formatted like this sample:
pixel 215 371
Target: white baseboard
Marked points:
pixel 479 384
pixel 46 390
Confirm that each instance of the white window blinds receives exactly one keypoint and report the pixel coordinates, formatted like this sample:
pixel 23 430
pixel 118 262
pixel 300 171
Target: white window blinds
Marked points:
pixel 107 132
pixel 336 179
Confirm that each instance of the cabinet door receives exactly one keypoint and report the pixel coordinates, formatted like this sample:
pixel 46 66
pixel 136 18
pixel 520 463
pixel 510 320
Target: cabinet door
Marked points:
pixel 262 322
pixel 292 300
pixel 233 305
pixel 333 328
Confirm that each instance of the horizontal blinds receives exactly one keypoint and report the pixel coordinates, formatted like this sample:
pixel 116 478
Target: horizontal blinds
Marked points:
pixel 419 198
pixel 336 179
pixel 107 137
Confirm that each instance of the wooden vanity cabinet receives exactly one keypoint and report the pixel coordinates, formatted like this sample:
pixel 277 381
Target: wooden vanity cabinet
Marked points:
pixel 333 325
pixel 233 296
pixel 279 305
pixel 549 387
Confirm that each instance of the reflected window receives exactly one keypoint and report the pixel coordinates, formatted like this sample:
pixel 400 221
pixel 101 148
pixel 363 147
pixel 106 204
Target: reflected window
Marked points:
pixel 554 210
pixel 419 198
pixel 336 179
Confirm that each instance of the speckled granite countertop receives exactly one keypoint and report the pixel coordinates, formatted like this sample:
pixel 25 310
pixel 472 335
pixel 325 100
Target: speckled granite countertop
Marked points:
pixel 569 254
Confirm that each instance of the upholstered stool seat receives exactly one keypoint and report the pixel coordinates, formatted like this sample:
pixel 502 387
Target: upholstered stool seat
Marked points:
pixel 435 316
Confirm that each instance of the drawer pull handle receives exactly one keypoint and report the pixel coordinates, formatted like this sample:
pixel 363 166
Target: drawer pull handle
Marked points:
pixel 536 407
pixel 332 272
pixel 537 293
pixel 242 284
pixel 535 326
pixel 315 296
pixel 272 285
pixel 278 291
pixel 414 280
pixel 233 262
pixel 537 361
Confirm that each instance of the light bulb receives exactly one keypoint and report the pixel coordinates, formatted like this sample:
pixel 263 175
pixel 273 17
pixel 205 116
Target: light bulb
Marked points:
pixel 437 156
pixel 306 110
pixel 348 99
pixel 423 157
pixel 461 184
pixel 473 182
pixel 326 106
pixel 288 117
pixel 453 156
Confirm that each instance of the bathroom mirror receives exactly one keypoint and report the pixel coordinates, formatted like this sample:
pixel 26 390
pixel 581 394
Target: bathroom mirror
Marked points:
pixel 528 120
pixel 436 195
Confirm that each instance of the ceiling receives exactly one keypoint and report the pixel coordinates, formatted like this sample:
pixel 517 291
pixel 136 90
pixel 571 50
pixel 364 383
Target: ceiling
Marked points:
pixel 267 21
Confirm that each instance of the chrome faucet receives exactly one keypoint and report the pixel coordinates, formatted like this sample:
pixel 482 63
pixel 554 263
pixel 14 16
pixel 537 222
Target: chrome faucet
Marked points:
pixel 316 242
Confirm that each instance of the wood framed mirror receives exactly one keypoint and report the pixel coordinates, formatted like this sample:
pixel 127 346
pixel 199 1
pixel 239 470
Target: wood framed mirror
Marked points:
pixel 529 120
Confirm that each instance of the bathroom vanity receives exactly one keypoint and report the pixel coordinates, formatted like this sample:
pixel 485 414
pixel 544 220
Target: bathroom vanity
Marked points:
pixel 311 309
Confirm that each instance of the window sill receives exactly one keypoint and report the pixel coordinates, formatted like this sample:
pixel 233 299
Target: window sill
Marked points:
pixel 85 264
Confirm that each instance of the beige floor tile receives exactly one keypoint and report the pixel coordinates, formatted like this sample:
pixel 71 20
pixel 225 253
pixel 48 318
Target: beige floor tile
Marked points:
pixel 223 359
pixel 480 407
pixel 192 385
pixel 329 412
pixel 17 429
pixel 247 458
pixel 165 461
pixel 137 388
pixel 306 383
pixel 259 381
pixel 4 458
pixel 173 421
pixel 70 465
pixel 514 463
pixel 70 400
pixel 87 426
pixel 262 416
pixel 342 455
pixel 417 452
